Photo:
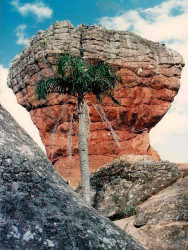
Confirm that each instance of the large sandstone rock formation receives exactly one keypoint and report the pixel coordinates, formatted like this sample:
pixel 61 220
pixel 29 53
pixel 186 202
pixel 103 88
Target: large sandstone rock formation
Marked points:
pixel 151 73
pixel 38 210
pixel 151 196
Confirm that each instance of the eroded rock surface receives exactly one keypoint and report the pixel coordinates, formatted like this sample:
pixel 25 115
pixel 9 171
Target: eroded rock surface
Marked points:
pixel 119 187
pixel 162 221
pixel 151 197
pixel 38 210
pixel 151 73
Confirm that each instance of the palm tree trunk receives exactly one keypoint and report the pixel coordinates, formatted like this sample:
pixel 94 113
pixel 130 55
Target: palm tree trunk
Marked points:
pixel 83 153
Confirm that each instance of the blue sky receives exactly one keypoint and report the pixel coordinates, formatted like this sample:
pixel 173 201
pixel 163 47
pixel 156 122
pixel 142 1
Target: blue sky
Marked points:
pixel 163 21
pixel 77 11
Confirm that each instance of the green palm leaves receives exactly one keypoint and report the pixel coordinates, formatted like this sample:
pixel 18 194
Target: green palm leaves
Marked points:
pixel 76 77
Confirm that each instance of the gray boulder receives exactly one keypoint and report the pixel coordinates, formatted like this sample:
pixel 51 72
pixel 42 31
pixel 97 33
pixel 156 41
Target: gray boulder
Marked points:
pixel 162 221
pixel 38 210
pixel 147 199
pixel 121 185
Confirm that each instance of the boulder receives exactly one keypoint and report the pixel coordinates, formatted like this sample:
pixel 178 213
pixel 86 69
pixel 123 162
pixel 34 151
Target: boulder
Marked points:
pixel 162 221
pixel 151 78
pixel 120 186
pixel 147 199
pixel 38 210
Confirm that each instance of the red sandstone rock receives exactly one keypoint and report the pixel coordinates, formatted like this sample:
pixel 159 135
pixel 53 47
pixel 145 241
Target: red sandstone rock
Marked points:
pixel 151 75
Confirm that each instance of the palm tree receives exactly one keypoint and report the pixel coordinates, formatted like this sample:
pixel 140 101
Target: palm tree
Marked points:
pixel 77 78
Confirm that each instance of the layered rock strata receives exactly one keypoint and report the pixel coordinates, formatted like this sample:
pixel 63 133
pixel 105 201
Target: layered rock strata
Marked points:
pixel 38 210
pixel 150 73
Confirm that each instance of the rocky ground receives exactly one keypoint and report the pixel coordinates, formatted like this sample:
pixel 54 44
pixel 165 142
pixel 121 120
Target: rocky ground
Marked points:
pixel 147 199
pixel 162 221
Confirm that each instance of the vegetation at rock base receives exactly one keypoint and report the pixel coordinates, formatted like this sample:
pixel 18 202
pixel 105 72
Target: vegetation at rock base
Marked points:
pixel 116 199
pixel 77 78
pixel 127 212
pixel 130 211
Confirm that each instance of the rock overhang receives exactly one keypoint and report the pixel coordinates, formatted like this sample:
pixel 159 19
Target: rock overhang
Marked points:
pixel 151 73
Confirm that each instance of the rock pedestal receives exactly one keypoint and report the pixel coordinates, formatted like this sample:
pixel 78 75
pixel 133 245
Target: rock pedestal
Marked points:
pixel 150 72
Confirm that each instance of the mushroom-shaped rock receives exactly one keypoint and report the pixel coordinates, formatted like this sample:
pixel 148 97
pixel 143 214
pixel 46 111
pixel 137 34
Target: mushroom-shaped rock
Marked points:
pixel 151 78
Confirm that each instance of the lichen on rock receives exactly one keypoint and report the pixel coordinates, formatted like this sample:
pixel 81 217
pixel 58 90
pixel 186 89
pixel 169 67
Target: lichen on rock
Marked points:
pixel 38 210
pixel 162 221
pixel 147 199
pixel 120 186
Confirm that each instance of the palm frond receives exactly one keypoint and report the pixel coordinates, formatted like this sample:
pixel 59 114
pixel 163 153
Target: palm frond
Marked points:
pixel 77 78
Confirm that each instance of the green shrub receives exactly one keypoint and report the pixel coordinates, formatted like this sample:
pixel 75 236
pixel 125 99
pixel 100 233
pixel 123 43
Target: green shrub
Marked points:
pixel 116 199
pixel 127 212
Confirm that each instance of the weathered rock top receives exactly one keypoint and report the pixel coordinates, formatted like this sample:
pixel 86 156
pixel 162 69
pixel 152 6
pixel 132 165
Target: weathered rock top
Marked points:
pixel 151 73
pixel 38 210
pixel 119 48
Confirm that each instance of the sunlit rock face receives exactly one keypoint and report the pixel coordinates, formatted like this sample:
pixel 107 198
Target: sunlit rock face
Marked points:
pixel 151 75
